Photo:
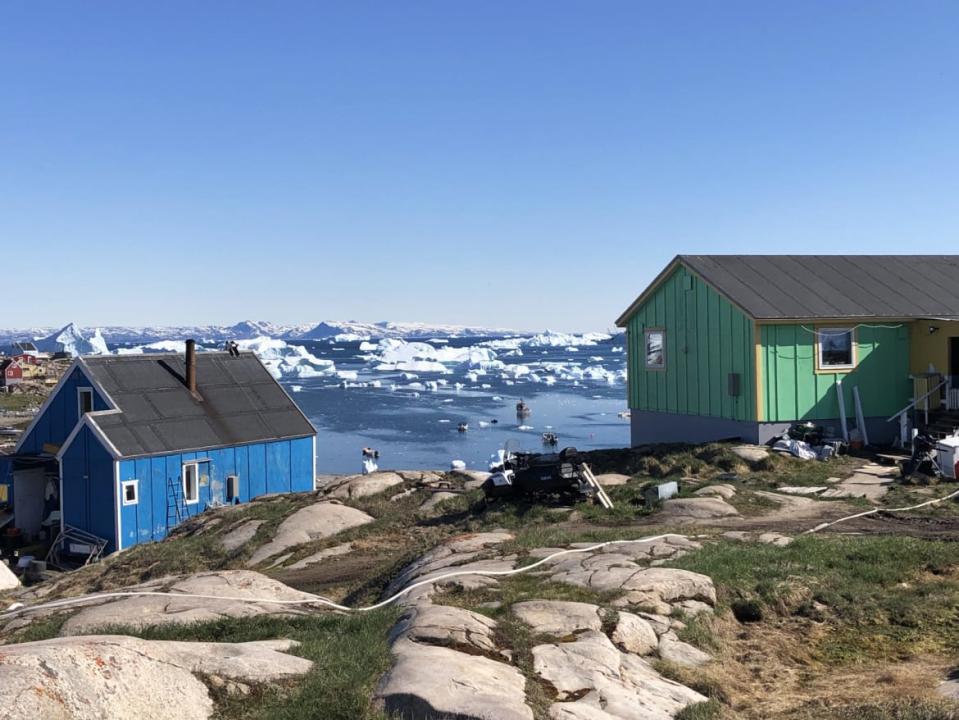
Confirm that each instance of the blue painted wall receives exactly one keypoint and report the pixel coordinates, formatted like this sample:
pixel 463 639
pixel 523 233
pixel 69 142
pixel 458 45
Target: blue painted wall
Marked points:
pixel 61 415
pixel 88 498
pixel 275 467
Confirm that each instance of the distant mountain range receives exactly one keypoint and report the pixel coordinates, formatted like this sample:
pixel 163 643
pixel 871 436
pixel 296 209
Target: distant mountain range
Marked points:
pixel 49 339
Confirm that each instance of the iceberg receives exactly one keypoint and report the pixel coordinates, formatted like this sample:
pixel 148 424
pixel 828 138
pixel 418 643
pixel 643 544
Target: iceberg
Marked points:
pixel 284 360
pixel 72 341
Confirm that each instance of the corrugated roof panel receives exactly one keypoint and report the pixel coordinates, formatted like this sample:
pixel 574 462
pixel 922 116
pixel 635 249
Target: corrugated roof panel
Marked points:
pixel 835 286
pixel 242 403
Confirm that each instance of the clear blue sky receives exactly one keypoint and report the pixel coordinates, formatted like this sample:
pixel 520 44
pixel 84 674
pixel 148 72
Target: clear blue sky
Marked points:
pixel 522 164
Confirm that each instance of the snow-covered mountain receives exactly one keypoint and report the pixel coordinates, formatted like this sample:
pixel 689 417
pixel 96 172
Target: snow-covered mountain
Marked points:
pixel 384 329
pixel 250 329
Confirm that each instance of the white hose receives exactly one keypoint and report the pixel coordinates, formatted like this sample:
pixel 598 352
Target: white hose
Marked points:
pixel 823 526
pixel 318 599
pixel 15 610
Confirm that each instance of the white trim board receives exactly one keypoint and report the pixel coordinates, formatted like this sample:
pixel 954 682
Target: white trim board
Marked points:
pixel 90 421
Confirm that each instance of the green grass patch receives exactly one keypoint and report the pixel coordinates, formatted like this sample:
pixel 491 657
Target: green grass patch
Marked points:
pixel 709 710
pixel 886 597
pixel 518 588
pixel 42 629
pixel 698 633
pixel 19 402
pixel 349 655
pixel 710 460
pixel 909 495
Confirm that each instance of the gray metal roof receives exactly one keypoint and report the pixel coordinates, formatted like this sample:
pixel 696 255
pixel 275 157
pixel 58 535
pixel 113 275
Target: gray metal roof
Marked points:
pixel 241 403
pixel 782 287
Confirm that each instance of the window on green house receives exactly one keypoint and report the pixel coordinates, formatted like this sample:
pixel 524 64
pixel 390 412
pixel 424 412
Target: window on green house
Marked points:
pixel 655 349
pixel 836 348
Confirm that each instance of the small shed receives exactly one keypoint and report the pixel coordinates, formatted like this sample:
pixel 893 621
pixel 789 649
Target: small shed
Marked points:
pixel 11 373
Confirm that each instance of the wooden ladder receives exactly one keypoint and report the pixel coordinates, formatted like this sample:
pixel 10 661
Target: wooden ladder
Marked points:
pixel 600 492
pixel 175 507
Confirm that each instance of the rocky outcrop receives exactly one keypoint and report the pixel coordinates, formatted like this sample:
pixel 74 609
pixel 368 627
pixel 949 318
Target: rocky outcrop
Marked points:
pixel 428 682
pixel 751 453
pixel 8 581
pixel 634 634
pixel 447 626
pixel 112 677
pixel 596 681
pixel 624 569
pixel 557 617
pixel 240 535
pixel 145 611
pixel 612 479
pixel 700 508
pixel 321 555
pixel 461 553
pixel 447 661
pixel 359 486
pixel 439 669
pixel 316 521
pixel 674 650
pixel 722 490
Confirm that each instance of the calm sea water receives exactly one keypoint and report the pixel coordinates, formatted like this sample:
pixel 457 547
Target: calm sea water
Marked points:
pixel 416 429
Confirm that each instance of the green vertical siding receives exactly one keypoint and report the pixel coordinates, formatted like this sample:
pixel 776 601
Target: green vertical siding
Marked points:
pixel 706 339
pixel 793 390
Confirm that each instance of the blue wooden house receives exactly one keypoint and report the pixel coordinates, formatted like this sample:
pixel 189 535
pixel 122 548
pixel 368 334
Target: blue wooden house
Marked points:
pixel 127 447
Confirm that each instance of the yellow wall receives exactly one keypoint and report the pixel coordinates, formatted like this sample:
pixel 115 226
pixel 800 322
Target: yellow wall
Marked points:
pixel 931 348
pixel 32 371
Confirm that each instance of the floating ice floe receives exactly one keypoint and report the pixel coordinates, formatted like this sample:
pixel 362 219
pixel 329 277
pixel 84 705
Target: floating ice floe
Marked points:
pixel 392 354
pixel 285 361
pixel 548 339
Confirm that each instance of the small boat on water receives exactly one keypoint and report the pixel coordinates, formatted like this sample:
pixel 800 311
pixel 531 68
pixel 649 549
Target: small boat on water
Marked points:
pixel 550 438
pixel 463 427
pixel 522 409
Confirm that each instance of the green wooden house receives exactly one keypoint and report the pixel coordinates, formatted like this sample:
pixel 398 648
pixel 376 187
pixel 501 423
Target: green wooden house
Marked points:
pixel 743 346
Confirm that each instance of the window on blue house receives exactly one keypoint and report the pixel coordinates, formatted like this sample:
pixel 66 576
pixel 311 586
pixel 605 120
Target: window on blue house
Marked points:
pixel 130 490
pixel 191 483
pixel 84 400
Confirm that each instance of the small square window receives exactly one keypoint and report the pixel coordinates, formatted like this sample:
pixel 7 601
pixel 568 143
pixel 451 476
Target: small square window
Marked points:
pixel 131 492
pixel 837 348
pixel 655 342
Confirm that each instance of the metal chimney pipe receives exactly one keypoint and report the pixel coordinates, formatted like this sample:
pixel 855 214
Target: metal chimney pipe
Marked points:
pixel 191 365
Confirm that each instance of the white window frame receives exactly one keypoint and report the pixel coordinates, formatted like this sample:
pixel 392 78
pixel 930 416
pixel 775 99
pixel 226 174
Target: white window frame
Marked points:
pixel 135 484
pixel 646 333
pixel 233 480
pixel 196 483
pixel 825 368
pixel 81 391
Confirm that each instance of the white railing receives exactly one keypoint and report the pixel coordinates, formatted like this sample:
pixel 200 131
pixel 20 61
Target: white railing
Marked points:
pixel 904 420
